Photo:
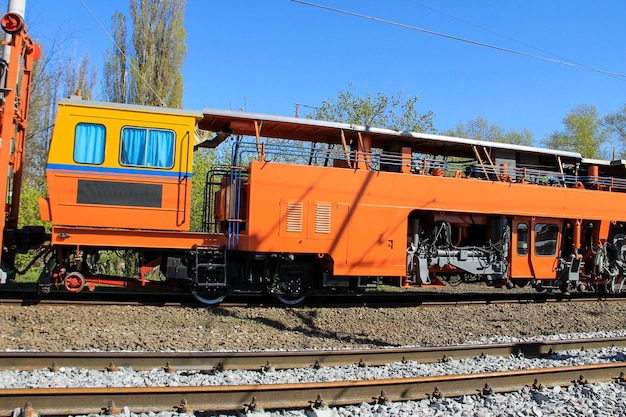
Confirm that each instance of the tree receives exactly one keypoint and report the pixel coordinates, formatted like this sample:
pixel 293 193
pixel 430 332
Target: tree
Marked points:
pixel 479 128
pixel 584 133
pixel 616 123
pixel 116 67
pixel 146 69
pixel 382 111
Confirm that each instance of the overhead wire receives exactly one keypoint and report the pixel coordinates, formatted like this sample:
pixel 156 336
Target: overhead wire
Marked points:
pixel 121 51
pixel 467 22
pixel 460 39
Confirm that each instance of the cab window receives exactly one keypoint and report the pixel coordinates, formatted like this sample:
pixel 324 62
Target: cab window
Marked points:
pixel 89 141
pixel 546 236
pixel 147 147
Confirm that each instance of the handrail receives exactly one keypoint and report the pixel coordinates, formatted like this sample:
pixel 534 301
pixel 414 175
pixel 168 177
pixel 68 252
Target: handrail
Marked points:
pixel 421 164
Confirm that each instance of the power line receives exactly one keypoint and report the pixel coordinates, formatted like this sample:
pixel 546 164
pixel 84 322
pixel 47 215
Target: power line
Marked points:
pixel 456 38
pixel 123 54
pixel 467 22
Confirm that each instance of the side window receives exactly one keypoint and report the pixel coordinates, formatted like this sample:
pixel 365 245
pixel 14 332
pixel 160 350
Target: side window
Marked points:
pixel 546 236
pixel 147 147
pixel 522 239
pixel 89 142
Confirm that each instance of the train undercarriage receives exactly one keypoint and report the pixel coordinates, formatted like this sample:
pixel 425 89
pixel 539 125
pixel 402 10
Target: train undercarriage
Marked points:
pixel 442 248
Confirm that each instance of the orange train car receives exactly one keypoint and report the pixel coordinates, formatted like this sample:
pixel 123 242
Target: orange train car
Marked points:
pixel 306 206
pixel 303 205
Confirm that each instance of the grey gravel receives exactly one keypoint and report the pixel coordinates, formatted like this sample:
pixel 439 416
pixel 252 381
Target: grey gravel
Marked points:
pixel 126 377
pixel 149 328
pixel 595 400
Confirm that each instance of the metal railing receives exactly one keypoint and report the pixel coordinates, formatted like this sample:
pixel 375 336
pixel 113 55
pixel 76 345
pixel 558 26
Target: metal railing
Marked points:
pixel 377 160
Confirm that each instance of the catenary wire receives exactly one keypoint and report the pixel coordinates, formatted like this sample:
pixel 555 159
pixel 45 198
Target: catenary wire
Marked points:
pixel 123 54
pixel 457 38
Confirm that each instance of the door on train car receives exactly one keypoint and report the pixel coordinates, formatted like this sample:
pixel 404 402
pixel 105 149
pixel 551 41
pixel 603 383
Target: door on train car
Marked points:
pixel 520 257
pixel 536 243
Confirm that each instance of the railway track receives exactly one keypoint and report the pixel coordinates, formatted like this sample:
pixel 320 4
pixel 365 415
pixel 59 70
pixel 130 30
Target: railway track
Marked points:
pixel 425 298
pixel 209 361
pixel 65 401
pixel 302 395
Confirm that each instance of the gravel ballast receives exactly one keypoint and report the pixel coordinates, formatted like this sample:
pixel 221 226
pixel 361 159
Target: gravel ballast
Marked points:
pixel 51 328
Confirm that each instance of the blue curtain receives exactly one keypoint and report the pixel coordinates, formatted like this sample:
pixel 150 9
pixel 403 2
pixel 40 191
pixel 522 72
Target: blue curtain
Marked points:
pixel 147 147
pixel 133 146
pixel 160 149
pixel 89 143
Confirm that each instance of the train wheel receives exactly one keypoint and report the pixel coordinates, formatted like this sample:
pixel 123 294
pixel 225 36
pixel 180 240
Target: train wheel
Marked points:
pixel 74 282
pixel 290 299
pixel 208 298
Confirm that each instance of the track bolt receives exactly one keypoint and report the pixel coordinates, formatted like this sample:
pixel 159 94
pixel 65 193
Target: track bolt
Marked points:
pixel 183 407
pixel 580 381
pixel 436 394
pixel 583 348
pixel 252 407
pixel 317 364
pixel 111 368
pixel 268 368
pixel 404 360
pixel 550 353
pixel 318 403
pixel 621 379
pixel 169 368
pixel 362 364
pixel 111 409
pixel 536 385
pixel 28 410
pixel 220 367
pixel 382 398
pixel 482 355
pixel 54 367
pixel 445 359
pixel 486 391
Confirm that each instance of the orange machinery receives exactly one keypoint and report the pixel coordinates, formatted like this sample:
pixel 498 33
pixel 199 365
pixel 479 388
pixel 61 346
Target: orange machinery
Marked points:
pixel 18 54
pixel 336 207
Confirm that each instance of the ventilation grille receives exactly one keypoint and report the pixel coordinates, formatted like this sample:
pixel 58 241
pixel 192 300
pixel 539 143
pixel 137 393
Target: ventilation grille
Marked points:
pixel 322 218
pixel 294 217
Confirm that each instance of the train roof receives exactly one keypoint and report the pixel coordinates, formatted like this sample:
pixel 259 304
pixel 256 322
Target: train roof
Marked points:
pixel 77 100
pixel 604 162
pixel 285 127
pixel 228 122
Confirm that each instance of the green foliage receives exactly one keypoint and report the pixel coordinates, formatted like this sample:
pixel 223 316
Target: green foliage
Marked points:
pixel 615 123
pixel 54 75
pixel 584 132
pixel 479 128
pixel 29 216
pixel 146 69
pixel 115 67
pixel 203 159
pixel 389 111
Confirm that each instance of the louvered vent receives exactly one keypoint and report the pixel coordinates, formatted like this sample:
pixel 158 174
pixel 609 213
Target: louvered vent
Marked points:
pixel 322 218
pixel 294 217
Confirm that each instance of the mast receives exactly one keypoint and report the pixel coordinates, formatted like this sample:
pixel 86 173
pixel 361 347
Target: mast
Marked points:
pixel 18 54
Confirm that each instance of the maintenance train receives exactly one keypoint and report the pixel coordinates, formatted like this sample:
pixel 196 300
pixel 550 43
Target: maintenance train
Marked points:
pixel 305 205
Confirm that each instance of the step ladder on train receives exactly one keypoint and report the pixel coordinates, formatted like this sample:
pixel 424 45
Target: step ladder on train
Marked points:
pixel 210 284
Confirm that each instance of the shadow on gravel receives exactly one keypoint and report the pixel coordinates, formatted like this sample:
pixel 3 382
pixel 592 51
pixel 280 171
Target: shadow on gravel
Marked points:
pixel 308 327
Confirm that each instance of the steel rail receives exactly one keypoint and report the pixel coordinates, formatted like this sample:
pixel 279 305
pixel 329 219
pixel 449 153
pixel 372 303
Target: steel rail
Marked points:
pixel 284 396
pixel 424 298
pixel 288 359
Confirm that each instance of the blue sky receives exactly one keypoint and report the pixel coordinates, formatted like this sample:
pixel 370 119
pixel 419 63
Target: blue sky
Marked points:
pixel 266 56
